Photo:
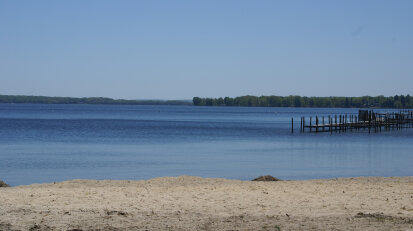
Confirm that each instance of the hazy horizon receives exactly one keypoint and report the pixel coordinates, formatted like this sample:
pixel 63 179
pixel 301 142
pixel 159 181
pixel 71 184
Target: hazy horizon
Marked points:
pixel 178 50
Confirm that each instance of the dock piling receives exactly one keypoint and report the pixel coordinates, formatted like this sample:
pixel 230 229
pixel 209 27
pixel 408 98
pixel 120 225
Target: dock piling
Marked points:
pixel 368 120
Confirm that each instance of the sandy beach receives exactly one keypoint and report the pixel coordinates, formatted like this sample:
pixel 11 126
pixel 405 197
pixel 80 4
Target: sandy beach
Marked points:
pixel 194 203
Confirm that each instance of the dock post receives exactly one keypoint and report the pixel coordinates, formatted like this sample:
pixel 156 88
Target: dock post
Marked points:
pixel 356 121
pixel 340 124
pixel 381 122
pixel 330 123
pixel 311 119
pixel 316 123
pixel 323 124
pixel 369 121
pixel 345 122
pixel 303 123
pixel 377 123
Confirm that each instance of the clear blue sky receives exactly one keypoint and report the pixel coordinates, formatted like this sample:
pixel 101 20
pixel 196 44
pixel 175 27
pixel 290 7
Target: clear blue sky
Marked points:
pixel 181 49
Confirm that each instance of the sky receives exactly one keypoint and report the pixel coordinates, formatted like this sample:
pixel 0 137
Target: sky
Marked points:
pixel 181 49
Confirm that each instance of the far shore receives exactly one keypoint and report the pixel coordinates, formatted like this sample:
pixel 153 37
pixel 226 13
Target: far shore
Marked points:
pixel 194 203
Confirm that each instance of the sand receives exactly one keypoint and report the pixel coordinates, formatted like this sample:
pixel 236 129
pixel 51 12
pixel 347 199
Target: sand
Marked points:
pixel 193 203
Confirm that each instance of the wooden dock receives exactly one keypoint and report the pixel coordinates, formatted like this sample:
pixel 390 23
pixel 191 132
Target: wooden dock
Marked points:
pixel 366 120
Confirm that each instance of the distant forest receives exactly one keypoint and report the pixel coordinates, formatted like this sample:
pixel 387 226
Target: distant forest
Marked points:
pixel 88 100
pixel 397 101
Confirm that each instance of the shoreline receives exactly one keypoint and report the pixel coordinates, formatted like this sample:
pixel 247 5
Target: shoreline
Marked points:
pixel 201 177
pixel 195 203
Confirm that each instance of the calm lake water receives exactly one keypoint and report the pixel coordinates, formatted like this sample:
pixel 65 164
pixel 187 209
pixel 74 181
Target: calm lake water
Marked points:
pixel 46 143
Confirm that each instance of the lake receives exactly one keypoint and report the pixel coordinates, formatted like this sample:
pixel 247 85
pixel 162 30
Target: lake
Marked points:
pixel 46 143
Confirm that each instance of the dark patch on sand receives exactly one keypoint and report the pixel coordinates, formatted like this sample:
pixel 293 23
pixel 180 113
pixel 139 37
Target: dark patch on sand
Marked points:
pixel 37 227
pixel 266 178
pixel 119 213
pixel 6 227
pixel 382 218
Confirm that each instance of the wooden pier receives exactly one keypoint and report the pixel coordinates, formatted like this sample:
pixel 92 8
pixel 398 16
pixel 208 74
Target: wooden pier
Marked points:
pixel 365 120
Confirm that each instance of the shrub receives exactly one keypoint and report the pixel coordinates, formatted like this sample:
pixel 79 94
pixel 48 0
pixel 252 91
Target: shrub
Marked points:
pixel 2 184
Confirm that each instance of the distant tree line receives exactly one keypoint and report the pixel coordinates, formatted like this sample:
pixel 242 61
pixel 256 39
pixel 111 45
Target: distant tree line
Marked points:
pixel 397 101
pixel 87 100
